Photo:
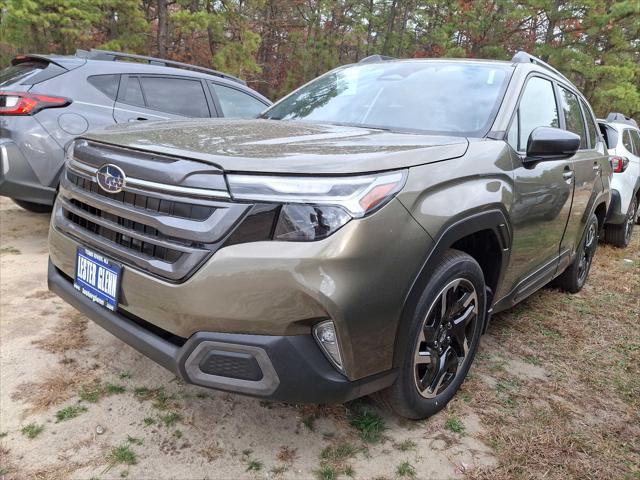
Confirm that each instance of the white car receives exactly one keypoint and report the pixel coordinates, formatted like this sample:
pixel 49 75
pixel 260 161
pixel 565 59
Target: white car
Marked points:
pixel 623 141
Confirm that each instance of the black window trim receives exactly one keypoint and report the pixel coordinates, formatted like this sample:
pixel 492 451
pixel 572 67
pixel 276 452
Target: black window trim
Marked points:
pixel 119 75
pixel 583 101
pixel 599 138
pixel 632 151
pixel 125 78
pixel 637 132
pixel 515 114
pixel 564 120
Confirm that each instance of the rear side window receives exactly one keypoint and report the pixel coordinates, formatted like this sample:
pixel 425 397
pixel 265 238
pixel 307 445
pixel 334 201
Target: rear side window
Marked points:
pixel 237 104
pixel 537 109
pixel 132 93
pixel 107 84
pixel 30 73
pixel 573 115
pixel 19 72
pixel 635 138
pixel 626 140
pixel 591 125
pixel 175 95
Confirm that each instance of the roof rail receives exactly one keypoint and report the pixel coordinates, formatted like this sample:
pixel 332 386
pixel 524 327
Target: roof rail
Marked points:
pixel 524 57
pixel 621 118
pixel 376 58
pixel 95 54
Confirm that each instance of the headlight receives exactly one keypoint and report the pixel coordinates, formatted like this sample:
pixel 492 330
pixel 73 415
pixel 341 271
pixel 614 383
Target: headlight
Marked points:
pixel 315 207
pixel 358 195
pixel 304 223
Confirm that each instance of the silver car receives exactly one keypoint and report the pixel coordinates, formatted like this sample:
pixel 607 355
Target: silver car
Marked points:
pixel 46 101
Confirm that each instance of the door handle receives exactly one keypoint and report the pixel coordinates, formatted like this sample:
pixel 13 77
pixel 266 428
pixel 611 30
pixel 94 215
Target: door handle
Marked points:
pixel 597 168
pixel 567 175
pixel 139 119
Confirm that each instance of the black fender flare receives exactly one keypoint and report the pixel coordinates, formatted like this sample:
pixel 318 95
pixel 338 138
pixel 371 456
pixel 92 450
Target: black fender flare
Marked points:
pixel 495 220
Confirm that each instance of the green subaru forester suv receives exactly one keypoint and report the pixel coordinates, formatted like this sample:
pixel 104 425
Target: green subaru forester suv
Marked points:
pixel 356 238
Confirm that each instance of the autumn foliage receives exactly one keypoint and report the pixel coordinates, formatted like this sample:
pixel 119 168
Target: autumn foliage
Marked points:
pixel 277 45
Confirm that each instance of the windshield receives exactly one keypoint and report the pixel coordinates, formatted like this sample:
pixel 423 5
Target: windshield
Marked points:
pixel 438 97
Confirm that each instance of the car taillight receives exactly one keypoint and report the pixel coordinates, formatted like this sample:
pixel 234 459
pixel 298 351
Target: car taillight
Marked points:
pixel 619 164
pixel 23 103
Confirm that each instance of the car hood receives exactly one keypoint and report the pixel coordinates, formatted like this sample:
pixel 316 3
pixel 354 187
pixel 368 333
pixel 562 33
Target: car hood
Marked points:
pixel 272 146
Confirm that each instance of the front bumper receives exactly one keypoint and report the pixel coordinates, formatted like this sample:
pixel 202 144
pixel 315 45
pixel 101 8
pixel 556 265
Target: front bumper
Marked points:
pixel 287 368
pixel 358 277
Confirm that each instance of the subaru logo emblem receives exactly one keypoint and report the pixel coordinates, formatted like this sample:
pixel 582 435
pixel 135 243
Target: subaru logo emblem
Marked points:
pixel 111 178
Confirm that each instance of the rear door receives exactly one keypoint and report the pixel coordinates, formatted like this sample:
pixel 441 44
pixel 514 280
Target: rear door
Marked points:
pixel 588 163
pixel 158 97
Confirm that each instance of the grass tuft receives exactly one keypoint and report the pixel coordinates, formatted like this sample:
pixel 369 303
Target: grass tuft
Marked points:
pixel 96 391
pixel 32 430
pixel 122 455
pixel 326 472
pixel 112 389
pixel 254 465
pixel 170 419
pixel 406 470
pixel 406 445
pixel 72 411
pixel 455 425
pixel 368 423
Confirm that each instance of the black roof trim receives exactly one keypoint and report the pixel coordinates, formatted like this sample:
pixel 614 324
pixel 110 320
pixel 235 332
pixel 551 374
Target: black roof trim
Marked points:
pixel 524 57
pixel 95 54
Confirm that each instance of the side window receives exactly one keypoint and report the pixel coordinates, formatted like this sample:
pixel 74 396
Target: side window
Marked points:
pixel 237 104
pixel 132 93
pixel 537 109
pixel 175 95
pixel 107 84
pixel 591 125
pixel 635 138
pixel 573 115
pixel 626 140
pixel 610 135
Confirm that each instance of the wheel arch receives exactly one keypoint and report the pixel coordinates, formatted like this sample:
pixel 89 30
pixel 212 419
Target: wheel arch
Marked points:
pixel 486 236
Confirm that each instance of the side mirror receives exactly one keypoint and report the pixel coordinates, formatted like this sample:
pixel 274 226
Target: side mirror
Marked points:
pixel 548 143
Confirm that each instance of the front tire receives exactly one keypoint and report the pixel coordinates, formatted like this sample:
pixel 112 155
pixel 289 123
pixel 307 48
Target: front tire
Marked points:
pixel 574 277
pixel 620 235
pixel 444 335
pixel 33 207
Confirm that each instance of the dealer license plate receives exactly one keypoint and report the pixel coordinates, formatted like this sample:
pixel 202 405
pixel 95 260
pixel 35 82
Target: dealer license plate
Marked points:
pixel 98 278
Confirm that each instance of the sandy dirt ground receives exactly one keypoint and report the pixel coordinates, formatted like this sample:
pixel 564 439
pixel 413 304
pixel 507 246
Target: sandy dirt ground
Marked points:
pixel 76 402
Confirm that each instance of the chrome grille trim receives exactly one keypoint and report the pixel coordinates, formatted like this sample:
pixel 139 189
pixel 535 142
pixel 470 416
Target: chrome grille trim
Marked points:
pixel 210 230
pixel 81 168
pixel 164 229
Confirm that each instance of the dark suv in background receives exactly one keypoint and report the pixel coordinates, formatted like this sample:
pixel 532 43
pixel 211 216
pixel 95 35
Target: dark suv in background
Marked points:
pixel 356 238
pixel 46 101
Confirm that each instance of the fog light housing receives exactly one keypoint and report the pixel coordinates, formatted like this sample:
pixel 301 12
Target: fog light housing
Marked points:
pixel 326 336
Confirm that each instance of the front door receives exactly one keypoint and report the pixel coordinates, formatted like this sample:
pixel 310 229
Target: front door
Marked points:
pixel 543 194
